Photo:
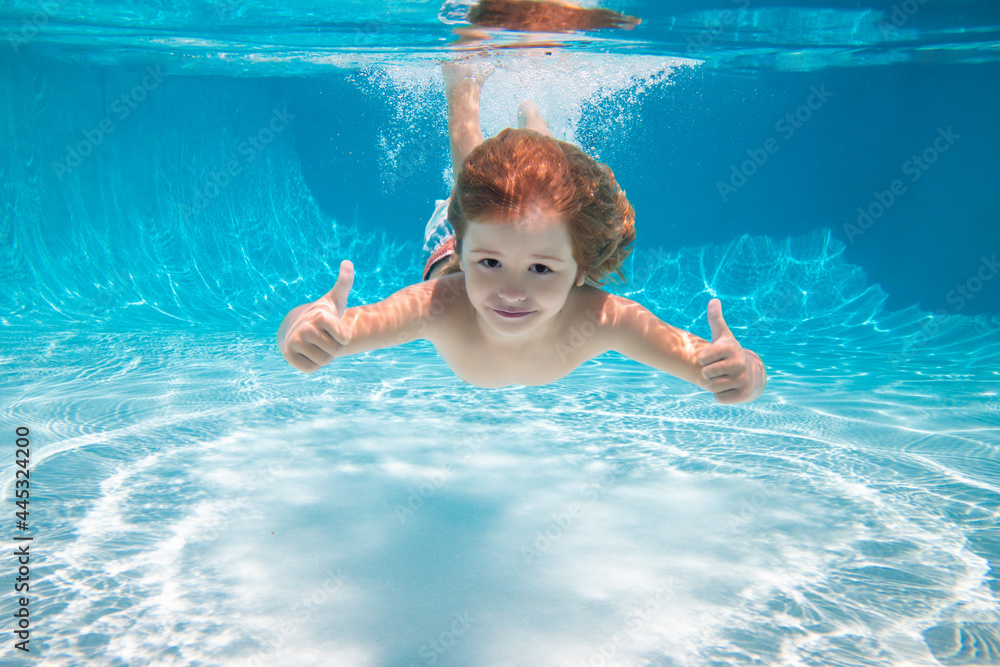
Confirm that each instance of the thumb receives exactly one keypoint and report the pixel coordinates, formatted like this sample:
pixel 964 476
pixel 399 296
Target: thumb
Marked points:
pixel 715 321
pixel 345 280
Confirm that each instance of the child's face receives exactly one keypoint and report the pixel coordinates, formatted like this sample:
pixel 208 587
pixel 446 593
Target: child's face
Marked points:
pixel 519 274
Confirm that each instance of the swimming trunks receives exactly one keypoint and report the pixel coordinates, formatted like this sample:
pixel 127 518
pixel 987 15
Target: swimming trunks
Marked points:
pixel 439 237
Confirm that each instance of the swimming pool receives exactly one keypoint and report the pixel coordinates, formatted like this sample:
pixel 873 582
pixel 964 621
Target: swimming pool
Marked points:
pixel 177 177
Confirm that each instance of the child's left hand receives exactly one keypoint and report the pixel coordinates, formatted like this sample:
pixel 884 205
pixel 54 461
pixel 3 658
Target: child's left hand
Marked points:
pixel 733 374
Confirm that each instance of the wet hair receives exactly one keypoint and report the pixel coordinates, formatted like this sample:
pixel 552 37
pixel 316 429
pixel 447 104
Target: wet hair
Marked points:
pixel 519 171
pixel 542 16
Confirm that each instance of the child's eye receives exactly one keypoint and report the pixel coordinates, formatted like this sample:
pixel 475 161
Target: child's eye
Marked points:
pixel 540 269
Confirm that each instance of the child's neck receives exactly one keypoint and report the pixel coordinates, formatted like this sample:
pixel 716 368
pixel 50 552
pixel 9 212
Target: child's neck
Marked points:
pixel 532 340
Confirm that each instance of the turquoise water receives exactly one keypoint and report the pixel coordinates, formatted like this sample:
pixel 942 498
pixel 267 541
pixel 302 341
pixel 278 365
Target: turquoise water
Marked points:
pixel 195 501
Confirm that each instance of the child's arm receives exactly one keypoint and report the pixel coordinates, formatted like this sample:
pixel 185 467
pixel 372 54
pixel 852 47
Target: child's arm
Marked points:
pixel 314 334
pixel 463 83
pixel 722 366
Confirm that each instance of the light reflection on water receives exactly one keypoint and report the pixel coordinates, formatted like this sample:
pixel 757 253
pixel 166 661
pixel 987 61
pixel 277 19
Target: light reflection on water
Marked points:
pixel 199 502
pixel 382 512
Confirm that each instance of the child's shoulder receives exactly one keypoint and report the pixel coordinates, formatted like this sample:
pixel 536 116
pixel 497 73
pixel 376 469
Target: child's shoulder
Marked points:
pixel 446 301
pixel 447 287
pixel 588 322
pixel 589 303
pixel 594 314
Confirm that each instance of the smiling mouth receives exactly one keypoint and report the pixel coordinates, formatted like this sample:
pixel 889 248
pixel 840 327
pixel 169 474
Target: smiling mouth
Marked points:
pixel 512 313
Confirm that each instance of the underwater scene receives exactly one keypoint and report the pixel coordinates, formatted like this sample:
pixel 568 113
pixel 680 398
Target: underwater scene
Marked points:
pixel 178 176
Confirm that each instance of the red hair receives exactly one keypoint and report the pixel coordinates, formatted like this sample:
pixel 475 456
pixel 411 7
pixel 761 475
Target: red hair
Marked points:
pixel 509 175
pixel 535 16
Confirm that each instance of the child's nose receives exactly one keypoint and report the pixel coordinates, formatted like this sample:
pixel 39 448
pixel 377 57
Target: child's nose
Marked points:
pixel 512 291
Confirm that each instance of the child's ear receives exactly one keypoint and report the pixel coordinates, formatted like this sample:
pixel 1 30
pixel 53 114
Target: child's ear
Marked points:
pixel 581 277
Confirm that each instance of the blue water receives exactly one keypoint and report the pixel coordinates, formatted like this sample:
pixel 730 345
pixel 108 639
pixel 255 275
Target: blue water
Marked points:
pixel 195 501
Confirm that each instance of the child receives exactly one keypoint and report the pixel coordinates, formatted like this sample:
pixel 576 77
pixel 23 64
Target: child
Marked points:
pixel 511 296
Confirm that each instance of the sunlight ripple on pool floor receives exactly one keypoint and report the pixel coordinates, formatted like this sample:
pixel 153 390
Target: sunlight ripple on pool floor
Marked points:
pixel 383 504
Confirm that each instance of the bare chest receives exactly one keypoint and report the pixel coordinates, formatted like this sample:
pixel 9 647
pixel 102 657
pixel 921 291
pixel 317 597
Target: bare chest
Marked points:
pixel 473 360
pixel 485 367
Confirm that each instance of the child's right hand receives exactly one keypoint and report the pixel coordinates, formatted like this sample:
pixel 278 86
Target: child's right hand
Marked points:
pixel 318 332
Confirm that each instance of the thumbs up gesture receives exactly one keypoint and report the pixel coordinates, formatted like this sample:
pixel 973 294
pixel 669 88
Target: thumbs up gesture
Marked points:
pixel 314 334
pixel 733 374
